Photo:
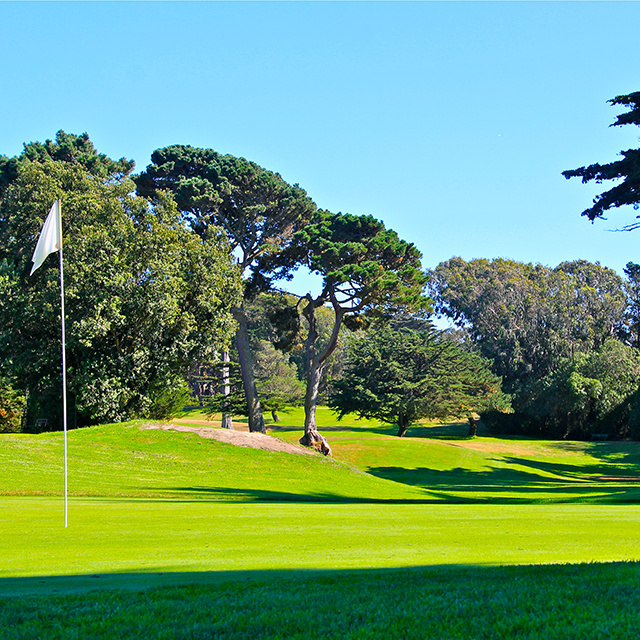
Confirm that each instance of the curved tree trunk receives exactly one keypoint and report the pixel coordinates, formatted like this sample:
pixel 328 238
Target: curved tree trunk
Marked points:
pixel 256 419
pixel 311 437
pixel 315 364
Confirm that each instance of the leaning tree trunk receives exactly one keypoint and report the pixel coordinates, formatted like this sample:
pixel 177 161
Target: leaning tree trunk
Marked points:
pixel 311 437
pixel 256 419
pixel 227 422
pixel 315 364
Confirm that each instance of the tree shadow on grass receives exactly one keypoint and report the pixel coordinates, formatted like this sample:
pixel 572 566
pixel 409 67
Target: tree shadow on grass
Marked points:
pixel 492 485
pixel 457 486
pixel 244 495
pixel 391 580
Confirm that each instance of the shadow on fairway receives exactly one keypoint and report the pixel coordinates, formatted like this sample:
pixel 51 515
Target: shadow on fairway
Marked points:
pixel 569 484
pixel 244 495
pixel 438 574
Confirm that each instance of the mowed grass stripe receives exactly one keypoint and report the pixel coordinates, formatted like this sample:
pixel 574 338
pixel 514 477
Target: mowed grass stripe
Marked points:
pixel 119 536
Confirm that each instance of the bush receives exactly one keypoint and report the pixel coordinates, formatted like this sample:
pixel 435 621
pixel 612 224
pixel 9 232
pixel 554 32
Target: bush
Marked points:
pixel 12 407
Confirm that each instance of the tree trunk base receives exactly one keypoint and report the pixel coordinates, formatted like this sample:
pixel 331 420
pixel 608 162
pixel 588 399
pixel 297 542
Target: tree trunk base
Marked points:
pixel 227 422
pixel 274 415
pixel 402 431
pixel 313 439
pixel 473 428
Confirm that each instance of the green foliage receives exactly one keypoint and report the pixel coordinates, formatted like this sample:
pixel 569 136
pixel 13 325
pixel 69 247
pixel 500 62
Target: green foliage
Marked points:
pixel 277 379
pixel 627 170
pixel 529 319
pixel 365 268
pixel 402 376
pixel 234 402
pixel 12 407
pixel 257 209
pixel 144 296
pixel 76 150
pixel 631 331
pixel 170 401
pixel 589 393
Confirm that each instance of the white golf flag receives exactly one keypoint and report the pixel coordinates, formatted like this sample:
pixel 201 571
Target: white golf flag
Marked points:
pixel 50 239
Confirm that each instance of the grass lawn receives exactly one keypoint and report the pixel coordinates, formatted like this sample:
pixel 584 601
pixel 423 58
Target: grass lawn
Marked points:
pixel 175 536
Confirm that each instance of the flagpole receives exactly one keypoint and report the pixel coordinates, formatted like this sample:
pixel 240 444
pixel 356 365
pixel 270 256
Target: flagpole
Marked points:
pixel 64 366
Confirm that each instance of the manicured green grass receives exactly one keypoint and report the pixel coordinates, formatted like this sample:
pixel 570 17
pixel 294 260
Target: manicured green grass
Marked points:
pixel 392 538
pixel 112 536
pixel 466 603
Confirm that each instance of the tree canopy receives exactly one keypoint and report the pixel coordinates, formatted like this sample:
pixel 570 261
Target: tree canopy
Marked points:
pixel 530 321
pixel 627 192
pixel 145 296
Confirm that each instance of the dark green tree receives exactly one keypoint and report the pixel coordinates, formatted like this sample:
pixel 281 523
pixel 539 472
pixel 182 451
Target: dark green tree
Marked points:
pixel 257 209
pixel 77 150
pixel 145 297
pixel 587 393
pixel 400 376
pixel 367 272
pixel 626 170
pixel 632 289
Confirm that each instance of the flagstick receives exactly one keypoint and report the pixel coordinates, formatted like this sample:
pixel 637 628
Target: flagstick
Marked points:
pixel 64 370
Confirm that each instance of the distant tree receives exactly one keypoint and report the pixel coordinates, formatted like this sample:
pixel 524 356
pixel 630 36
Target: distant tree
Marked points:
pixel 626 192
pixel 587 393
pixel 632 289
pixel 400 376
pixel 525 317
pixel 145 297
pixel 529 319
pixel 257 209
pixel 277 380
pixel 367 271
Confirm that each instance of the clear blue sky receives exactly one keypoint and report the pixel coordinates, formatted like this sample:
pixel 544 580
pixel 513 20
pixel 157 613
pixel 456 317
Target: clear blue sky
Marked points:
pixel 450 121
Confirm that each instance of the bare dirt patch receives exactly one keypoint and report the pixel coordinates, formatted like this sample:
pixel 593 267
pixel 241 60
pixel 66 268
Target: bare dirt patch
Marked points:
pixel 238 438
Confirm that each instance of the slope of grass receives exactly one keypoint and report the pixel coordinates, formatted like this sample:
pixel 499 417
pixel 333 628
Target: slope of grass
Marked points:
pixel 174 536
pixel 449 466
pixel 128 460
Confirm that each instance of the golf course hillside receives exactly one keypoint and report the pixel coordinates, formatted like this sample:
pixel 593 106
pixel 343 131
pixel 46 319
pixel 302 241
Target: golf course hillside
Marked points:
pixel 173 532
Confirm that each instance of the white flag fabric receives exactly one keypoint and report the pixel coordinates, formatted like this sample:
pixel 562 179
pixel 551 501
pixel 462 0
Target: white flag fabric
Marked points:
pixel 50 239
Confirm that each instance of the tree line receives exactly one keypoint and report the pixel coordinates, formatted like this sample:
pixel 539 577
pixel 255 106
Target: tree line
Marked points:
pixel 176 266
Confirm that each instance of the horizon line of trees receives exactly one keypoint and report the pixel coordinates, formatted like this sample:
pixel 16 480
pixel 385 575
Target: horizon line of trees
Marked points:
pixel 175 267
